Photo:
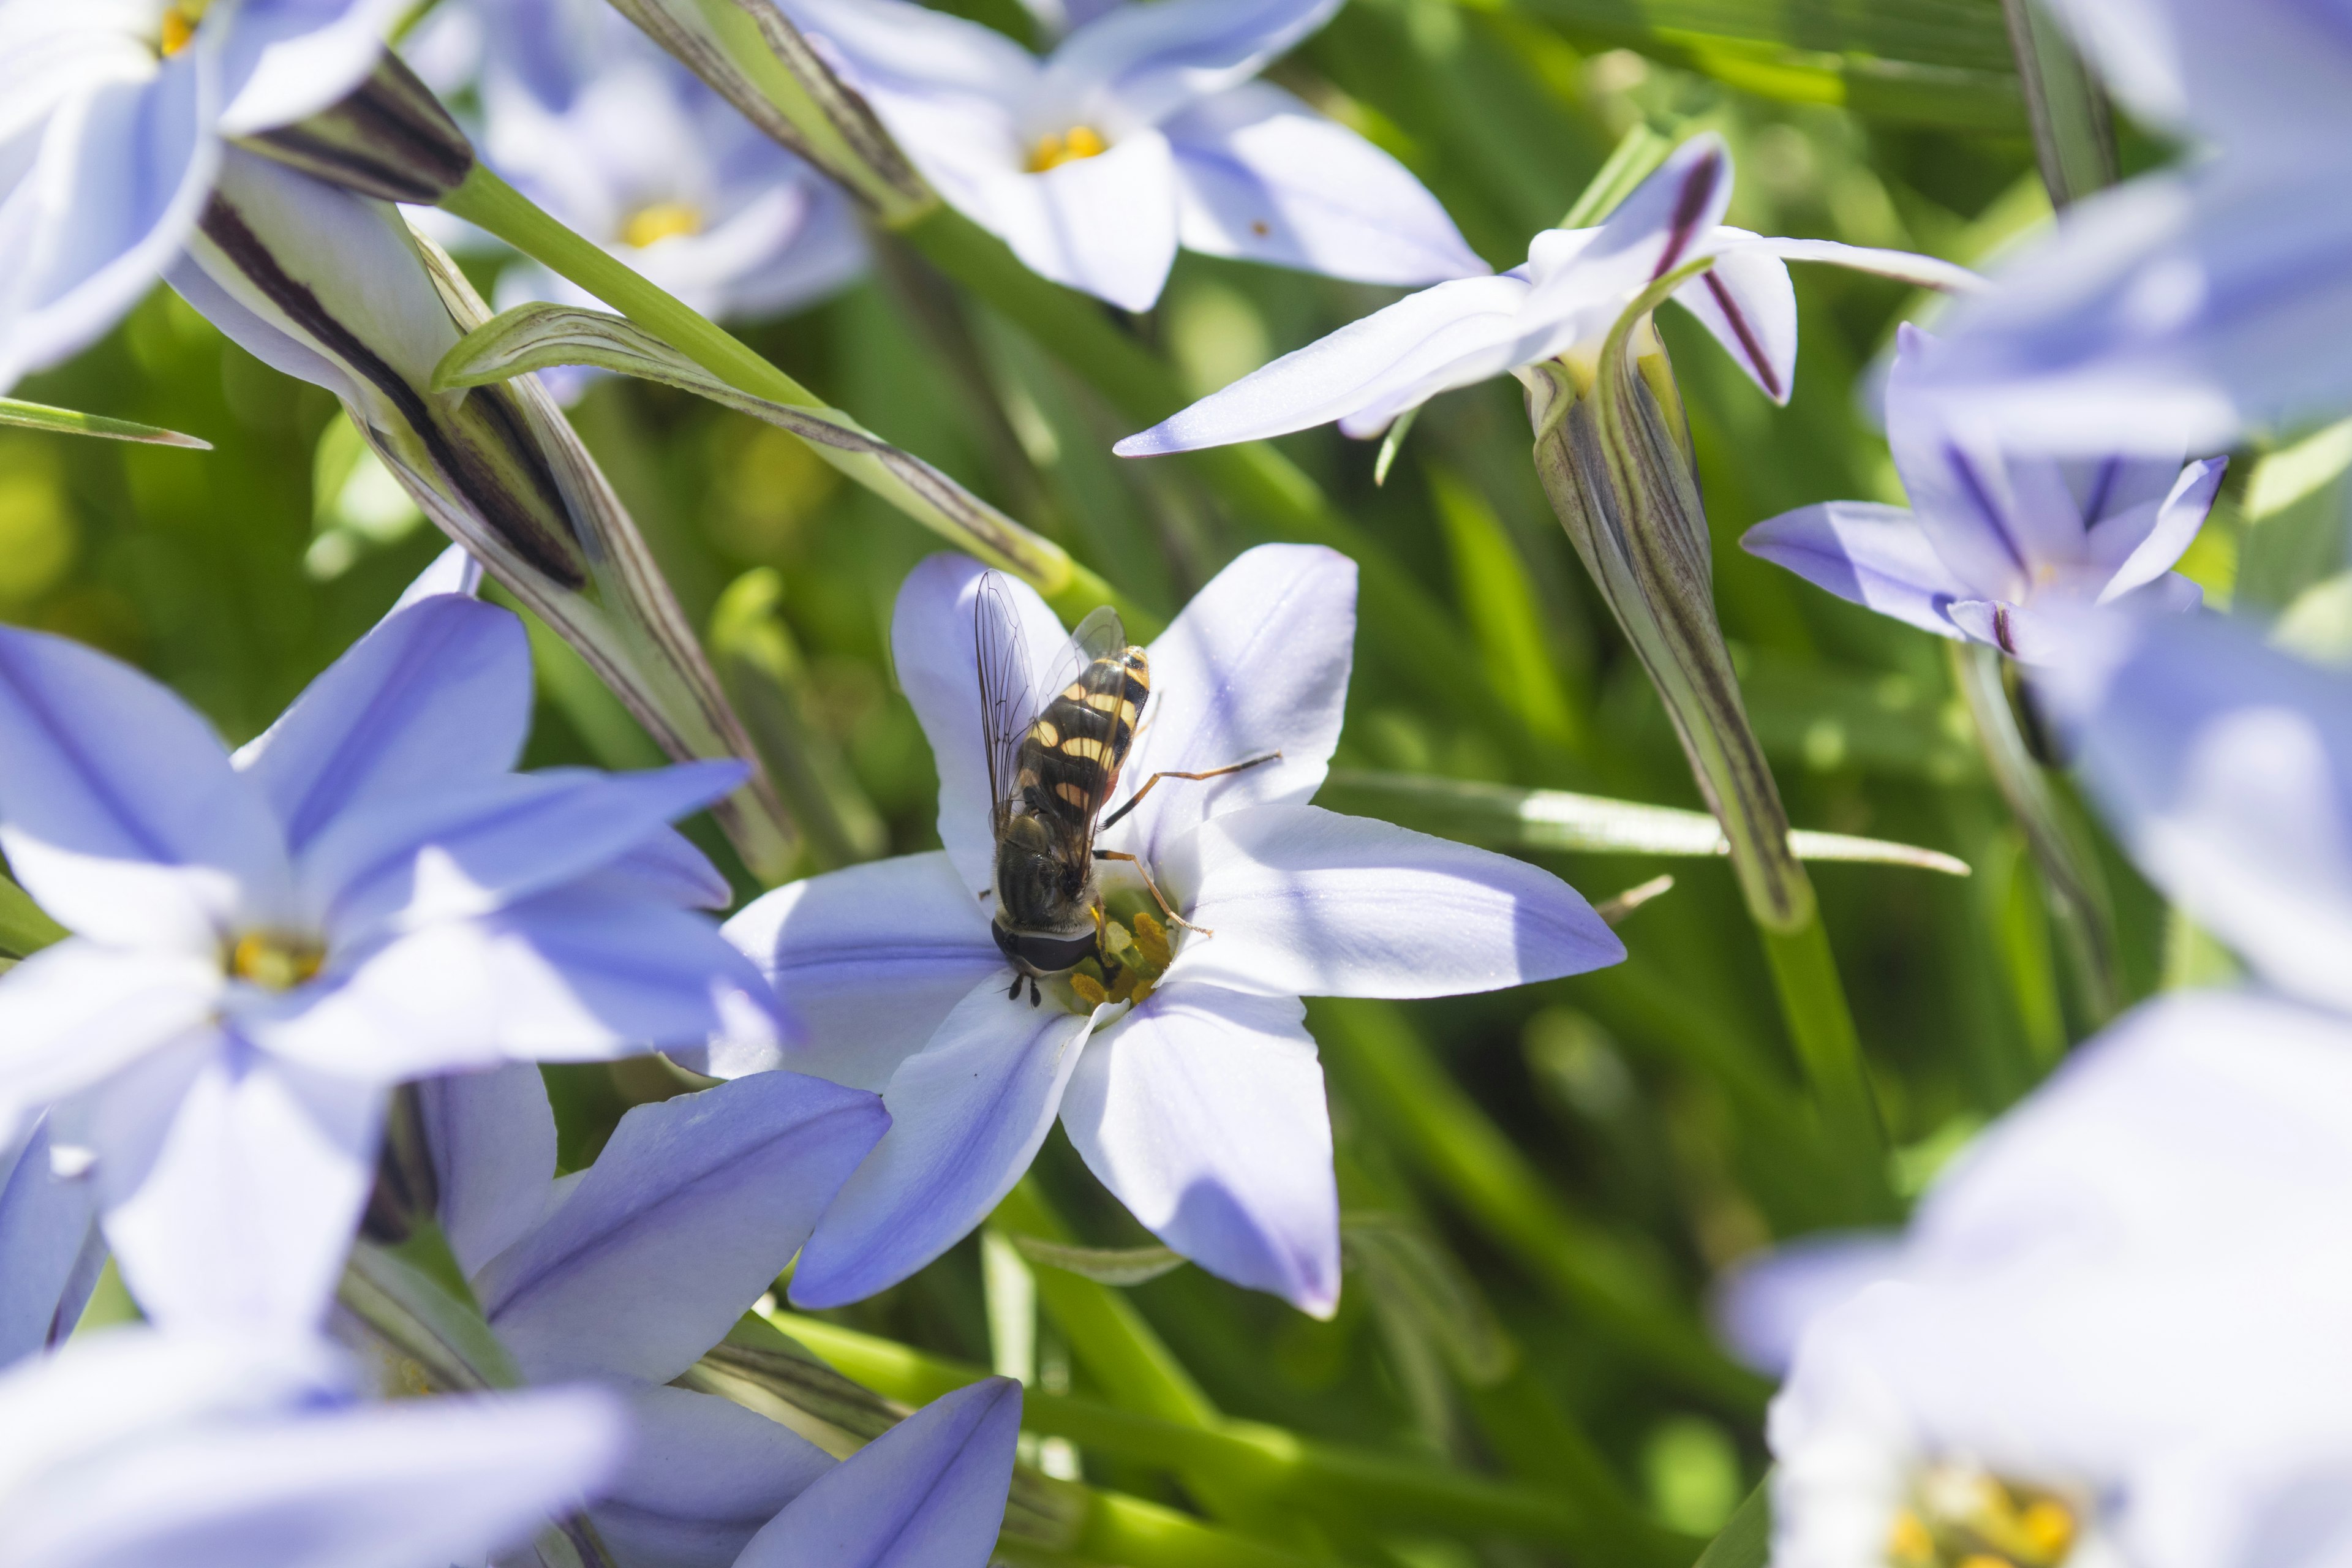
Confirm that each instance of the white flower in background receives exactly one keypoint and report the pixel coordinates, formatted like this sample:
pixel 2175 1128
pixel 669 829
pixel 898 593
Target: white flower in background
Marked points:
pixel 1191 1087
pixel 112 114
pixel 135 1446
pixel 1142 132
pixel 262 944
pixel 1573 287
pixel 590 118
pixel 1992 542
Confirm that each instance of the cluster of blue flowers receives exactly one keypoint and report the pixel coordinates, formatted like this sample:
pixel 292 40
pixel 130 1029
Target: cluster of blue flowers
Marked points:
pixel 279 1065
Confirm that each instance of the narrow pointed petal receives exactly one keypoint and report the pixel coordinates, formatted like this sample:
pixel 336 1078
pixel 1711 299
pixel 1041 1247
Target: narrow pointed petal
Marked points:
pixel 1875 556
pixel 1262 177
pixel 1203 1111
pixel 80 243
pixel 871 959
pixel 472 848
pixel 892 47
pixel 284 59
pixel 1441 338
pixel 231 1184
pixel 1746 300
pixel 1146 62
pixel 1104 225
pixel 2025 633
pixel 968 1112
pixel 492 1137
pixel 1665 222
pixel 2225 768
pixel 74 1013
pixel 927 1493
pixel 454 570
pixel 932 646
pixel 701 1478
pixel 1306 902
pixel 667 869
pixel 691 1211
pixel 118 810
pixel 1258 663
pixel 2173 528
pixel 434 695
pixel 1902 265
pixel 49 1248
pixel 1958 488
pixel 576 975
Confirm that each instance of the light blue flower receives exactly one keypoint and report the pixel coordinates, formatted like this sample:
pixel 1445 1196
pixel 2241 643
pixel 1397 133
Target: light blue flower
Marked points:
pixel 366 893
pixel 111 119
pixel 626 1273
pixel 1201 1106
pixel 50 1252
pixel 1141 132
pixel 2191 305
pixel 138 1447
pixel 1562 301
pixel 594 123
pixel 1993 542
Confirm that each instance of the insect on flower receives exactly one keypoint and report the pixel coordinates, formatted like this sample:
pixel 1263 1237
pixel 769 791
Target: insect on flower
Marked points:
pixel 1051 770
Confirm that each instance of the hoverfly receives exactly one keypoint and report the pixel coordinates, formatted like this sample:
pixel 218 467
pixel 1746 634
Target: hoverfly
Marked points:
pixel 1053 760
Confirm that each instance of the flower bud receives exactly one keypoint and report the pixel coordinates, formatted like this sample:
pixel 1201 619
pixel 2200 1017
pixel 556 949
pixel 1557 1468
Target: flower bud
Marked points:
pixel 1625 491
pixel 334 288
pixel 389 137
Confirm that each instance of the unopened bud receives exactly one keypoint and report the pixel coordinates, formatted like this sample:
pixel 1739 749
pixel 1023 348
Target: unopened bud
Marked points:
pixel 389 138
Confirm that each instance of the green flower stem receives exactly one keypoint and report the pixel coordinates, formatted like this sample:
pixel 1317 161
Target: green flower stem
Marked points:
pixel 1804 972
pixel 24 926
pixel 2073 136
pixel 1388 1075
pixel 2070 869
pixel 1112 1527
pixel 1276 1468
pixel 1426 645
pixel 491 204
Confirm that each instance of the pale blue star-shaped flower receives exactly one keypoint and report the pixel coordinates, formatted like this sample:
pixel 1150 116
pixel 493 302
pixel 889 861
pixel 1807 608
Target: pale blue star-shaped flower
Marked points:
pixel 1200 1106
pixel 2188 306
pixel 625 1274
pixel 112 116
pixel 50 1252
pixel 262 942
pixel 594 121
pixel 1993 542
pixel 140 1446
pixel 1572 289
pixel 1142 132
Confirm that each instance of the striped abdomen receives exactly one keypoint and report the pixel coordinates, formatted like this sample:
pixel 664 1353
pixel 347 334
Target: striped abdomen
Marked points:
pixel 1069 759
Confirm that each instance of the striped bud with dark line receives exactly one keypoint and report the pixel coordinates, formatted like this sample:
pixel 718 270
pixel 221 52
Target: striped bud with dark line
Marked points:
pixel 336 288
pixel 389 137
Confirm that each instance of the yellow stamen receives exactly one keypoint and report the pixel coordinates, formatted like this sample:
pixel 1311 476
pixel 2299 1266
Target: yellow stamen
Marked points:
pixel 660 220
pixel 2048 1528
pixel 1908 1541
pixel 181 20
pixel 1078 142
pixel 1151 942
pixel 274 960
pixel 1089 990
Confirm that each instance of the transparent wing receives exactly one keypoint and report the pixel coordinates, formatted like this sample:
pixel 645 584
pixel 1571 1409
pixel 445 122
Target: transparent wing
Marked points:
pixel 1006 702
pixel 1099 636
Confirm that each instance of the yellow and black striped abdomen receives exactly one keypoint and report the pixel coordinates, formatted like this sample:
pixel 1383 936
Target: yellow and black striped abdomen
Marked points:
pixel 1069 759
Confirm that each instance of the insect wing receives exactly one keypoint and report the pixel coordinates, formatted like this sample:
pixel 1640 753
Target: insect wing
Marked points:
pixel 1006 702
pixel 1100 636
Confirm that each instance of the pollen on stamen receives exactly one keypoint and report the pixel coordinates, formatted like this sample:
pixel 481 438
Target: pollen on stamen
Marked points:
pixel 275 960
pixel 1052 150
pixel 181 21
pixel 1960 1516
pixel 659 221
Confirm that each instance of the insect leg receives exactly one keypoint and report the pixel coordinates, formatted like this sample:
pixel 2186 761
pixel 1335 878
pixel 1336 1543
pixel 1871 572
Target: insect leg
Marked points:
pixel 1033 991
pixel 1213 773
pixel 1015 994
pixel 1157 897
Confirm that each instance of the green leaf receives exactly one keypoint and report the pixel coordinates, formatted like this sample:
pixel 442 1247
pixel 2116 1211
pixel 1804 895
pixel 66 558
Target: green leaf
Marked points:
pixel 70 421
pixel 1746 1540
pixel 1392 444
pixel 1103 1265
pixel 541 336
pixel 24 927
pixel 1513 819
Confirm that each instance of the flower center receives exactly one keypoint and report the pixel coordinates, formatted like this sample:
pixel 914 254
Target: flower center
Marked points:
pixel 181 20
pixel 1959 1516
pixel 275 960
pixel 660 220
pixel 1131 955
pixel 1052 151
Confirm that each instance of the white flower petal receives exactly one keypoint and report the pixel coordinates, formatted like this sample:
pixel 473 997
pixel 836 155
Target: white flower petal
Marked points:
pixel 1258 663
pixel 968 1112
pixel 73 1013
pixel 1142 63
pixel 871 959
pixel 1104 225
pixel 1262 177
pixel 1306 902
pixel 1746 300
pixel 284 59
pixel 1203 1111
